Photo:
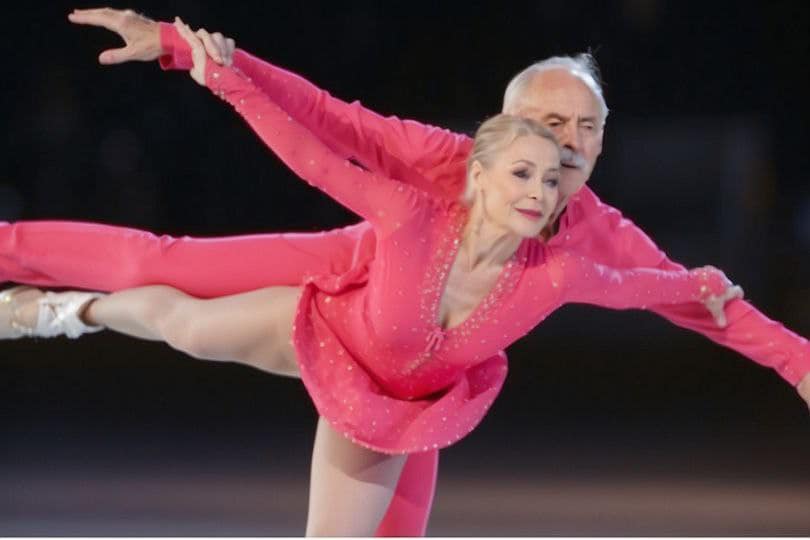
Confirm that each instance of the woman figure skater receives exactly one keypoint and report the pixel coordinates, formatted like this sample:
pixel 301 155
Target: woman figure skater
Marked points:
pixel 401 354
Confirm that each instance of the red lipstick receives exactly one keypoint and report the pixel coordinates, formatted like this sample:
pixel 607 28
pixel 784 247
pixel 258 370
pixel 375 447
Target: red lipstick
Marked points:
pixel 531 214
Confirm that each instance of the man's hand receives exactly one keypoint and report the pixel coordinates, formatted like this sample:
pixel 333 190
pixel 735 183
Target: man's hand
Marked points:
pixel 141 35
pixel 804 389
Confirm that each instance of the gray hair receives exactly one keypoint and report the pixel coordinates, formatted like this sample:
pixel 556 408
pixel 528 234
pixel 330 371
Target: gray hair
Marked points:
pixel 582 65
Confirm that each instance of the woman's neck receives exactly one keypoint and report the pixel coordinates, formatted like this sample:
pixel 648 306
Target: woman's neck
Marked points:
pixel 484 243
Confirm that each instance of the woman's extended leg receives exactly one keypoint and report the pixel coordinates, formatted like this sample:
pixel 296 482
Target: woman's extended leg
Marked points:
pixel 250 328
pixel 350 486
pixel 253 328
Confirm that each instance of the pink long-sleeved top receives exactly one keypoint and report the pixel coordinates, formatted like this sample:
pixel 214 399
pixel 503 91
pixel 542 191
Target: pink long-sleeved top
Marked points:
pixel 434 159
pixel 372 354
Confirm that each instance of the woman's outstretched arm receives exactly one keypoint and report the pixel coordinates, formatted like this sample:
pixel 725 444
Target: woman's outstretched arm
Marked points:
pixel 428 157
pixel 384 202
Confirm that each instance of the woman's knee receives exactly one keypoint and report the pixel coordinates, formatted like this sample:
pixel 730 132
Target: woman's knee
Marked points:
pixel 181 328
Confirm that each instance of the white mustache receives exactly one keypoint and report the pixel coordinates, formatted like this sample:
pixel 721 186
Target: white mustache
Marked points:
pixel 570 158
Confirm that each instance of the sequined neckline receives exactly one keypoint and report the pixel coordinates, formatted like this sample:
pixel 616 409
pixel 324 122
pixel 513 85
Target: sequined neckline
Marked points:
pixel 438 273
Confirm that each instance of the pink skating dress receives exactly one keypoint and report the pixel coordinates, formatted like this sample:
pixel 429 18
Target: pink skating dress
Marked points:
pixel 372 356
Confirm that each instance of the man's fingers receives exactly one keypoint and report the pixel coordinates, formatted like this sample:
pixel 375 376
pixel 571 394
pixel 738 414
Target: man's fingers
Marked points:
pixel 104 17
pixel 804 389
pixel 115 56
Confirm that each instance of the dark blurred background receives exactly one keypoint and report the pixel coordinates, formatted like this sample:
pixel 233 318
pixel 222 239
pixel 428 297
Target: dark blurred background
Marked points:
pixel 610 422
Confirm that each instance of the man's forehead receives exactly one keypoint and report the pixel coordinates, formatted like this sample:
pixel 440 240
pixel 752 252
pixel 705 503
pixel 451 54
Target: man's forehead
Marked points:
pixel 558 91
pixel 532 145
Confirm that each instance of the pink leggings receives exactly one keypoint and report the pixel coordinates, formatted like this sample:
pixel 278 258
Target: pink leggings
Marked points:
pixel 106 258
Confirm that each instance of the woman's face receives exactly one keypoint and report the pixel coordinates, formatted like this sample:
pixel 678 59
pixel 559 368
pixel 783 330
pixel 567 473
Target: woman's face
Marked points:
pixel 518 191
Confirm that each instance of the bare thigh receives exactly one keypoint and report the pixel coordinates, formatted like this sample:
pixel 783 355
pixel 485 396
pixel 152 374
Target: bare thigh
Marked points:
pixel 350 486
pixel 253 328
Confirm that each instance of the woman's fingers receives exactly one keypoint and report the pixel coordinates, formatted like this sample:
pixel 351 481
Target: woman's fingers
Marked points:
pixel 226 47
pixel 218 47
pixel 717 304
pixel 211 46
pixel 716 307
pixel 734 292
pixel 198 54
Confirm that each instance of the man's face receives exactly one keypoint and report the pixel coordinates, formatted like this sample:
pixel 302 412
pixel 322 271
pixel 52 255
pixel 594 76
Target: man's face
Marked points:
pixel 562 102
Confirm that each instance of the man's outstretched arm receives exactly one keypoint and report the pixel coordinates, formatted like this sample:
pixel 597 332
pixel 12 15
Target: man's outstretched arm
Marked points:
pixel 428 157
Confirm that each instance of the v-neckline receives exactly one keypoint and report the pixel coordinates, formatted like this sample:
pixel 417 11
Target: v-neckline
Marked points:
pixel 446 259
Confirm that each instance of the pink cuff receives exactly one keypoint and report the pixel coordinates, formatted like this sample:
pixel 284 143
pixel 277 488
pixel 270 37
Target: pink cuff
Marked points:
pixel 795 370
pixel 218 77
pixel 176 52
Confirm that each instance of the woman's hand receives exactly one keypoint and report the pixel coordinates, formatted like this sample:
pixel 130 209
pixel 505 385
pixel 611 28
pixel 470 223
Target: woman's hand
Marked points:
pixel 715 279
pixel 218 47
pixel 198 53
pixel 716 304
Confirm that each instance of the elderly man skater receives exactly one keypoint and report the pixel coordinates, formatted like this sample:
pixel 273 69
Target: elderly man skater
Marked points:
pixel 563 93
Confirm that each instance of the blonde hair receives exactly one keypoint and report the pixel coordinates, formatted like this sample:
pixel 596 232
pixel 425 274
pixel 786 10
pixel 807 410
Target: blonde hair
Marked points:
pixel 496 134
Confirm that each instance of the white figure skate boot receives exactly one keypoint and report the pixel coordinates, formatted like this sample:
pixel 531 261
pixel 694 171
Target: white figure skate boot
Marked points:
pixel 57 314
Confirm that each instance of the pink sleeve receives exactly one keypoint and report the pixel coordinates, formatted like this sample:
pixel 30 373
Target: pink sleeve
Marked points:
pixel 582 280
pixel 385 203
pixel 430 158
pixel 176 52
pixel 748 331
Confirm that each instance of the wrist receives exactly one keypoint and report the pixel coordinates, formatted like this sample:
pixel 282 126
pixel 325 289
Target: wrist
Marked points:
pixel 174 52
